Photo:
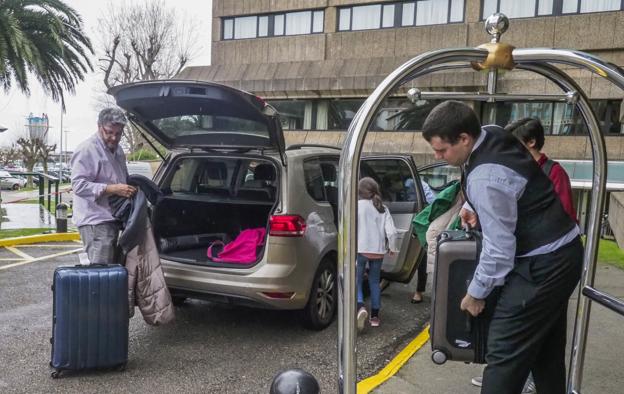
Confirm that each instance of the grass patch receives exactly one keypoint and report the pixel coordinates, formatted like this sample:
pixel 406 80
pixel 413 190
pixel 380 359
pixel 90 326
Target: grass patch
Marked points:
pixel 610 253
pixel 22 232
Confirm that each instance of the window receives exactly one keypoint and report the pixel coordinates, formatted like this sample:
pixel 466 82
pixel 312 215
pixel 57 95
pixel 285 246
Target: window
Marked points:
pixel 298 23
pixel 263 26
pixel 557 118
pixel 245 27
pixel 314 179
pixel 278 30
pixel 395 114
pixel 366 17
pixel 398 14
pixel 228 29
pixel 530 8
pixel 388 16
pixel 318 22
pixel 289 23
pixel 394 176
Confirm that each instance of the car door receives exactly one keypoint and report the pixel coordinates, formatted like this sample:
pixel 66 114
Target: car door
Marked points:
pixel 402 193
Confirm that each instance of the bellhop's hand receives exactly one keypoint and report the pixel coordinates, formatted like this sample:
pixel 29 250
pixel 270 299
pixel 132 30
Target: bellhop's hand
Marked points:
pixel 473 305
pixel 468 218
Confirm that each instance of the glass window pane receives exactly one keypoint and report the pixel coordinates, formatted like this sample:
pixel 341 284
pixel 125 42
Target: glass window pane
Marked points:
pixel 298 23
pixel 408 14
pixel 318 22
pixel 545 7
pixel 395 179
pixel 518 9
pixel 341 112
pixel 263 26
pixel 344 19
pixel 366 17
pixel 599 5
pixel 245 27
pixel 388 16
pixel 489 8
pixel 457 10
pixel 228 28
pixel 431 12
pixel 314 179
pixel 278 29
pixel 569 6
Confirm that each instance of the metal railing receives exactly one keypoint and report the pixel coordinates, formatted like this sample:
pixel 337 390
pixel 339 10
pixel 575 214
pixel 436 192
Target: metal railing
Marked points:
pixel 43 180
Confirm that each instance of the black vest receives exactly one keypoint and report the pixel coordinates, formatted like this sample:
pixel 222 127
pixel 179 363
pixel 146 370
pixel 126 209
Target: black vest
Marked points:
pixel 541 218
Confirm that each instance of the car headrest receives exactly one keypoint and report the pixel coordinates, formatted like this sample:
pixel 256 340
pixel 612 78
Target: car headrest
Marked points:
pixel 329 172
pixel 264 172
pixel 215 171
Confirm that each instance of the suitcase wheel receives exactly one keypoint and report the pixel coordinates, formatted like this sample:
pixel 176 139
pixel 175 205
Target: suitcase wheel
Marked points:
pixel 55 374
pixel 121 367
pixel 438 357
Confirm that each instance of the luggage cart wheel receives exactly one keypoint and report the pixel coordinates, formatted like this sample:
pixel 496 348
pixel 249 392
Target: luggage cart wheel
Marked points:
pixel 55 374
pixel 438 357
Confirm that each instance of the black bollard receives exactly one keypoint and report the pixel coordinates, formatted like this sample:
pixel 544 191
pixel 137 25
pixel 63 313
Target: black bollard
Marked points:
pixel 294 381
pixel 61 217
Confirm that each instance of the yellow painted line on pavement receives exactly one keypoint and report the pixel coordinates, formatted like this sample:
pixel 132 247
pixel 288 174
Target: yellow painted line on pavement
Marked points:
pixel 370 383
pixel 40 238
pixel 51 256
pixel 73 245
pixel 11 259
pixel 19 253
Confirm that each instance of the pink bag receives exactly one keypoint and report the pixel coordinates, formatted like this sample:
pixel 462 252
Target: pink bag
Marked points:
pixel 242 250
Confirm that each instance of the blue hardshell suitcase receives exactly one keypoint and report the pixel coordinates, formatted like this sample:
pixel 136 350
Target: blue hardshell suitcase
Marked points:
pixel 90 318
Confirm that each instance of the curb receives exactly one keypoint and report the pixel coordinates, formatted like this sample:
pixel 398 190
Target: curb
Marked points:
pixel 34 239
pixel 370 383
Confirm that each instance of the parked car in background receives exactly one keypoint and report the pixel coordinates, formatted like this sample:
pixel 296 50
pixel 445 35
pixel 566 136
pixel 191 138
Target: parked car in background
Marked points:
pixel 11 182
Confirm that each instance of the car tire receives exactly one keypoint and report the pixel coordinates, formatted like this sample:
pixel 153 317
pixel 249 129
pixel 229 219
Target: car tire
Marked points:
pixel 15 187
pixel 323 301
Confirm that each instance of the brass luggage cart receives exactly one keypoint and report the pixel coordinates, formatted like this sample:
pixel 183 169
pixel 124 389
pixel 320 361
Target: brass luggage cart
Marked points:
pixel 492 57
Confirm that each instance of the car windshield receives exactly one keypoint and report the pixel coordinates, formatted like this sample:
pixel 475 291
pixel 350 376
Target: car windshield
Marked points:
pixel 187 125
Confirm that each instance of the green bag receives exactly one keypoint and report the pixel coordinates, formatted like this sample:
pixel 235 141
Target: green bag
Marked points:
pixel 443 202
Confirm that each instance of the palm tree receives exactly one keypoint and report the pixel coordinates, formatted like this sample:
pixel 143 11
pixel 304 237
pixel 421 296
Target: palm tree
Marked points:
pixel 44 38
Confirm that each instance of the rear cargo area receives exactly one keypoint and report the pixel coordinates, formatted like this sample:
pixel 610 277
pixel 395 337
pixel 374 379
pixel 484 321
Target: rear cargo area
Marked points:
pixel 212 199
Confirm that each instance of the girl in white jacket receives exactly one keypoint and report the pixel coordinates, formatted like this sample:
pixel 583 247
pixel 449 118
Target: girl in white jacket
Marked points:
pixel 376 237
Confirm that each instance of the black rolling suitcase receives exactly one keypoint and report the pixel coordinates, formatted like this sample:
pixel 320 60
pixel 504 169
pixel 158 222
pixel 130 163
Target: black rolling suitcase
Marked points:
pixel 455 335
pixel 90 318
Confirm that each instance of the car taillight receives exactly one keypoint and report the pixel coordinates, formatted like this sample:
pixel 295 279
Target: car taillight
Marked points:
pixel 286 226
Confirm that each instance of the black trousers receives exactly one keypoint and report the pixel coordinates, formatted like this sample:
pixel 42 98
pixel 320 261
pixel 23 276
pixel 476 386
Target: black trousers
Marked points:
pixel 421 281
pixel 528 328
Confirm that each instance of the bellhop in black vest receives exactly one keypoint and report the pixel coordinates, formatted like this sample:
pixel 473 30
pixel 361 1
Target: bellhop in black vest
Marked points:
pixel 541 217
pixel 528 326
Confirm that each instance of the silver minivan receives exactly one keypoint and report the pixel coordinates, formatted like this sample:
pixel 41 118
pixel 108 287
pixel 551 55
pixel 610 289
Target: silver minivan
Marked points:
pixel 229 170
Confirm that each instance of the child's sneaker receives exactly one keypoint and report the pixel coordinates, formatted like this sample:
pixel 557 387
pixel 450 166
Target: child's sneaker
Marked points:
pixel 375 322
pixel 362 315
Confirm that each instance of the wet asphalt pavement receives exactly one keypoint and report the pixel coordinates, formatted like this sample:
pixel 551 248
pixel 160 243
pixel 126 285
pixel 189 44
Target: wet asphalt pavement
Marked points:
pixel 210 348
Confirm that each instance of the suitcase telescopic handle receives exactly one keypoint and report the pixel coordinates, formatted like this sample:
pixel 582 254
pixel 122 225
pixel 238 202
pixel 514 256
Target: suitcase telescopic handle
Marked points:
pixel 468 315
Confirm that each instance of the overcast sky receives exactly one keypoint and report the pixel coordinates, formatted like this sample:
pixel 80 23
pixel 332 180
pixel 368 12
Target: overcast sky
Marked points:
pixel 80 116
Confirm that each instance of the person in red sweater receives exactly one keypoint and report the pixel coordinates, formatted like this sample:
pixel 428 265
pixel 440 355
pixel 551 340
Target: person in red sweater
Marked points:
pixel 531 133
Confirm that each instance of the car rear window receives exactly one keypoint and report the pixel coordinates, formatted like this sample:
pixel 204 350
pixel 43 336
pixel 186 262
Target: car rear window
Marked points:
pixel 187 125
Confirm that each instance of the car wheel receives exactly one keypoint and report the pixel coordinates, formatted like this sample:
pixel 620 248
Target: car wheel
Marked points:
pixel 16 187
pixel 323 301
